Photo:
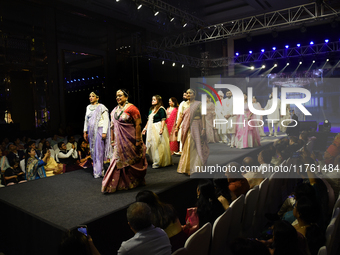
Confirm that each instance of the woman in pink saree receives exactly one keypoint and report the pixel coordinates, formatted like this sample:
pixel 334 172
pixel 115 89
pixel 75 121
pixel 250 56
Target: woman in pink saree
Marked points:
pixel 247 134
pixel 171 113
pixel 128 164
pixel 195 148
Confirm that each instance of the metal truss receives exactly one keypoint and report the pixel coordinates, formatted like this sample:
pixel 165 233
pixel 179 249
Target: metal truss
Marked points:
pixel 294 52
pixel 273 20
pixel 172 11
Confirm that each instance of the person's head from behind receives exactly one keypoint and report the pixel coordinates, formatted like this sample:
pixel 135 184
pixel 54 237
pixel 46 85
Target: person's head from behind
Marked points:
pixel 139 216
pixel 285 238
pixel 205 190
pixel 233 171
pixel 148 197
pixel 12 147
pixel 306 210
pixel 74 243
pixel 264 157
pixel 248 161
pixel 293 139
pixel 304 136
pixel 62 146
pixel 305 190
pixel 243 246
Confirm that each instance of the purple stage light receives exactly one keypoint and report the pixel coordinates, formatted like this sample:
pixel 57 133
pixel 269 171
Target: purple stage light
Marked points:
pixel 287 46
pixel 298 45
pixel 326 41
pixel 237 53
pixel 311 43
pixel 262 50
pixel 274 48
pixel 250 52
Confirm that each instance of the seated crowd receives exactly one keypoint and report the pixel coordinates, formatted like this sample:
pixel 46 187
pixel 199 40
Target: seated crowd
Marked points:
pixel 298 227
pixel 24 159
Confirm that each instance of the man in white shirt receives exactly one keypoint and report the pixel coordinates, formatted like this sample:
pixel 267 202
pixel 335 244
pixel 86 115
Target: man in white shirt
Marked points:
pixel 222 128
pixel 230 117
pixel 68 157
pixel 274 118
pixel 181 109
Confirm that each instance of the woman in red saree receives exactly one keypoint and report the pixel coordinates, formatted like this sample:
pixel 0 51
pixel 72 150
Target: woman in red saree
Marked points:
pixel 128 164
pixel 171 113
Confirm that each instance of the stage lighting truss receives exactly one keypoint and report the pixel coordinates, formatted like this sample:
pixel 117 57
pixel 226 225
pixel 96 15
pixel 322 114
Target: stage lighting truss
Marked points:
pixel 296 15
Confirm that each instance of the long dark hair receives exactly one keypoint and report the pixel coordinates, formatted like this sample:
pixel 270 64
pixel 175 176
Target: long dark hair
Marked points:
pixel 45 145
pixel 208 207
pixel 83 152
pixel 162 215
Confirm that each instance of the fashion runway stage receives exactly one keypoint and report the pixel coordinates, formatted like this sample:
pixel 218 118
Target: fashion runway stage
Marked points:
pixel 35 214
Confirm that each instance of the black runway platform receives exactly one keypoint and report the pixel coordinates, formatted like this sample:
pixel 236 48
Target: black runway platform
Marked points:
pixel 35 214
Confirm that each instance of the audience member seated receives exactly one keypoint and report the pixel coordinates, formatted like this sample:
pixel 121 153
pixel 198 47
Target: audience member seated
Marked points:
pixel 76 243
pixel 14 153
pixel 55 140
pixel 48 146
pixel 52 167
pixel 279 156
pixel 286 240
pixel 148 239
pixel 222 192
pixel 71 141
pixel 264 158
pixel 19 144
pixel 34 167
pixel 84 154
pixel 243 246
pixel 307 213
pixel 332 177
pixel 165 217
pixel 15 172
pixel 68 157
pixel 238 185
pixel 253 176
pixel 31 145
pixel 332 151
pixel 41 143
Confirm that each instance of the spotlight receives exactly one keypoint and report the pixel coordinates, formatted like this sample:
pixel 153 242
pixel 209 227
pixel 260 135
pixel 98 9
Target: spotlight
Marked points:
pixel 182 66
pixel 173 64
pixel 326 41
pixel 313 61
pixel 250 52
pixel 263 66
pixel 300 63
pixel 327 59
pixel 171 18
pixel 163 62
pixel 311 43
pixel 252 67
pixel 117 1
pixel 237 53
pixel 184 23
pixel 298 45
pixel 155 12
pixel 274 48
pixel 138 6
pixel 325 127
pixel 287 64
pixel 275 65
pixel 262 50
pixel 287 46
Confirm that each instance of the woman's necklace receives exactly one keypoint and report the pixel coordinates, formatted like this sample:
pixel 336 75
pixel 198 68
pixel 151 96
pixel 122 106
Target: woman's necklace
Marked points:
pixel 93 107
pixel 122 110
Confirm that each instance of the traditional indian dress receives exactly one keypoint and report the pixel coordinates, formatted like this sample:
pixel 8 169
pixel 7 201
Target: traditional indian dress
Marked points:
pixel 246 135
pixel 128 164
pixel 195 147
pixel 158 146
pixel 285 117
pixel 35 169
pixel 209 123
pixel 170 122
pixel 96 123
pixel 52 167
pixel 257 106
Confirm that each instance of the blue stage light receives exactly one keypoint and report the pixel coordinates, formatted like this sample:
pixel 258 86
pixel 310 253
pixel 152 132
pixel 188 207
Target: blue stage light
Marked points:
pixel 250 52
pixel 274 48
pixel 326 41
pixel 262 50
pixel 236 53
pixel 311 43
pixel 298 45
pixel 287 46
